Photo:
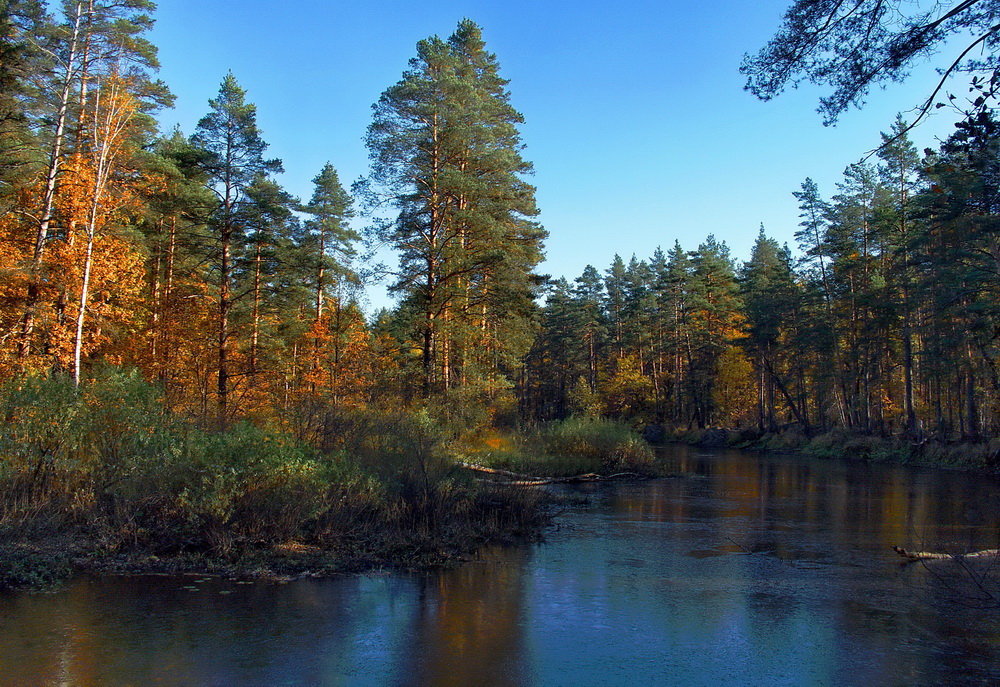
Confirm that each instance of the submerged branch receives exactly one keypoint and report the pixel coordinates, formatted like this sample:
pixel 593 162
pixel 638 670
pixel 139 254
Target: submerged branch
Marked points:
pixel 522 480
pixel 912 556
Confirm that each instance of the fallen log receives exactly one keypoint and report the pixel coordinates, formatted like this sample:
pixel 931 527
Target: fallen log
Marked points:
pixel 521 480
pixel 494 471
pixel 932 556
pixel 588 477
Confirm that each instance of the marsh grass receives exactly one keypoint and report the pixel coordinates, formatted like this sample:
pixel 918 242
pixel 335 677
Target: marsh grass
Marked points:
pixel 574 446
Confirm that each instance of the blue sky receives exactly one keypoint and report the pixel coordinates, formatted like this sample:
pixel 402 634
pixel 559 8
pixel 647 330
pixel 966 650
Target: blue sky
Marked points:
pixel 636 120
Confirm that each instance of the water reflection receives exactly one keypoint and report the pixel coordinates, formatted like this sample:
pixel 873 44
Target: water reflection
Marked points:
pixel 755 570
pixel 468 628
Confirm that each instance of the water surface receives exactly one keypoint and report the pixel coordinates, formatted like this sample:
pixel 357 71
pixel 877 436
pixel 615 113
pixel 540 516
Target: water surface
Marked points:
pixel 758 570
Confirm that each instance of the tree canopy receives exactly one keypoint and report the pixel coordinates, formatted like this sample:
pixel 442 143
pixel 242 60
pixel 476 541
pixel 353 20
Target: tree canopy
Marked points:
pixel 851 46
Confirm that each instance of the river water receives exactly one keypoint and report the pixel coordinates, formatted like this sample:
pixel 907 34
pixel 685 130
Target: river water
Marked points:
pixel 756 570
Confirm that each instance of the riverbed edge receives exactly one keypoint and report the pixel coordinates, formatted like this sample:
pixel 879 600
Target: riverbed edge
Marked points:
pixel 45 564
pixel 948 453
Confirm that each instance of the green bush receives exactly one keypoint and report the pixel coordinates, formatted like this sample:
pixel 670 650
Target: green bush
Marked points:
pixel 44 445
pixel 57 439
pixel 248 485
pixel 406 450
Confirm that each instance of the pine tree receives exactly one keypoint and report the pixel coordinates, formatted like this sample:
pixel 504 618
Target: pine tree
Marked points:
pixel 330 237
pixel 958 251
pixel 858 282
pixel 22 23
pixel 716 321
pixel 262 269
pixel 234 160
pixel 591 323
pixel 673 287
pixel 446 153
pixel 771 304
pixel 176 200
pixel 615 286
pixel 899 175
pixel 811 238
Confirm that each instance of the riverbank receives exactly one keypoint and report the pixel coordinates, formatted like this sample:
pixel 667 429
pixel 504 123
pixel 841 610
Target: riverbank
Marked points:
pixel 489 514
pixel 348 528
pixel 953 453
pixel 247 503
pixel 106 478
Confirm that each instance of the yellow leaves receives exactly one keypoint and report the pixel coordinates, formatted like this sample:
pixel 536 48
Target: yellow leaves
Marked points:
pixel 76 187
pixel 726 325
pixel 734 391
pixel 627 391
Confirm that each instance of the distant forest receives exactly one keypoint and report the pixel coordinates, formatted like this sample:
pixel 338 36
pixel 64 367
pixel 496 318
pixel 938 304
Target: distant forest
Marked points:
pixel 182 257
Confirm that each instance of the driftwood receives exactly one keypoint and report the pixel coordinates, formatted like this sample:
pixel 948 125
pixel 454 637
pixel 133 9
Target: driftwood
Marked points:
pixel 522 480
pixel 933 556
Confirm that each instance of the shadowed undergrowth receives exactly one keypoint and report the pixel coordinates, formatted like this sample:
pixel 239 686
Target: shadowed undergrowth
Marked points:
pixel 105 477
pixel 935 451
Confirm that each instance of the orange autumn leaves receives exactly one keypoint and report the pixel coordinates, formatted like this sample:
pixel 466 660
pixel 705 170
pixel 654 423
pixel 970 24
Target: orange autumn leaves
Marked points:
pixel 121 268
pixel 91 266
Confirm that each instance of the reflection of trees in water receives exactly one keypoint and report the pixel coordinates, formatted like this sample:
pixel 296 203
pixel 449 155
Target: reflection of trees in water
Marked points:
pixel 469 626
pixel 458 628
pixel 51 639
pixel 861 504
pixel 836 517
pixel 138 630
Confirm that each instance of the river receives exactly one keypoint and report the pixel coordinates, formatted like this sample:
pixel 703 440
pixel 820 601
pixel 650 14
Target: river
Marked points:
pixel 750 569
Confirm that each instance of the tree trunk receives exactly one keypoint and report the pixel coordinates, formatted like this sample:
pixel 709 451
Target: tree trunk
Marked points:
pixel 255 316
pixel 222 390
pixel 49 193
pixel 84 299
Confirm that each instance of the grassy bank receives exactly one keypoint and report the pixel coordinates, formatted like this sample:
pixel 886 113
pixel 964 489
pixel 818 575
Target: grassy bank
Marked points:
pixel 951 452
pixel 106 478
pixel 567 447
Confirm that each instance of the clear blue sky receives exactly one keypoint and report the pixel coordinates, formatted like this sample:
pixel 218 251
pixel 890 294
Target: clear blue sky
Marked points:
pixel 636 120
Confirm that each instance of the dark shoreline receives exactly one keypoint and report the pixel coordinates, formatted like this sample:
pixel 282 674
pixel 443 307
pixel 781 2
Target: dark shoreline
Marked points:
pixel 952 454
pixel 45 563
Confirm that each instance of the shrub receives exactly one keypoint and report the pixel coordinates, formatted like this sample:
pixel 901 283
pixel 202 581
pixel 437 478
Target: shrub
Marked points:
pixel 570 447
pixel 610 446
pixel 248 485
pixel 43 442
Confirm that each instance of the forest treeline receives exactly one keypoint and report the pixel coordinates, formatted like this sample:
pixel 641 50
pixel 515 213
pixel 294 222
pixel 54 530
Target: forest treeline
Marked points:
pixel 884 322
pixel 184 257
pixel 181 256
